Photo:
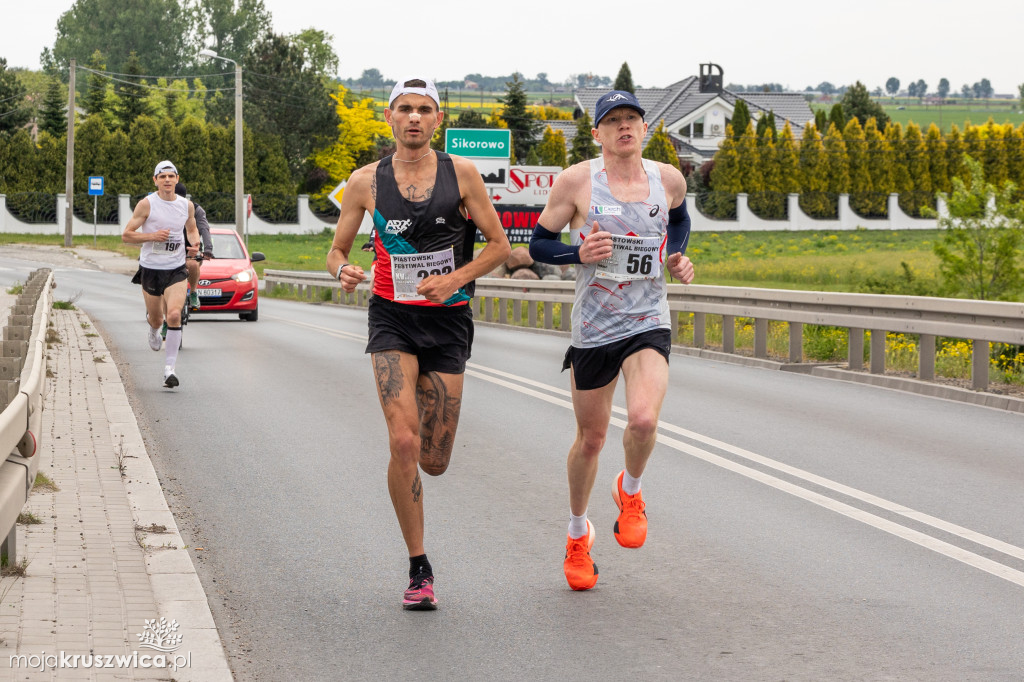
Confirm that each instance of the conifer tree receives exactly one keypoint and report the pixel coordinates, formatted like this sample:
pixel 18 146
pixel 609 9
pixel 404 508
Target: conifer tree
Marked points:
pixel 17 163
pixel 583 145
pixel 901 180
pixel 993 161
pixel 552 148
pixel 879 168
pixel 974 146
pixel 144 137
pixel 751 179
pixel 95 99
pixel 820 120
pixel 936 152
pixel 195 155
pixel 524 127
pixel 624 81
pixel 837 166
pixel 861 187
pixel 1014 141
pixel 132 95
pixel 954 153
pixel 726 182
pixel 769 202
pixel 533 158
pixel 836 116
pixel 660 147
pixel 53 117
pixel 51 159
pixel 14 110
pixel 118 179
pixel 740 118
pixel 788 161
pixel 814 199
pixel 917 167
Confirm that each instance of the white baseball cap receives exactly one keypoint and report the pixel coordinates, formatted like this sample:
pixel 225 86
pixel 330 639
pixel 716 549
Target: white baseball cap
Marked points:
pixel 402 88
pixel 163 167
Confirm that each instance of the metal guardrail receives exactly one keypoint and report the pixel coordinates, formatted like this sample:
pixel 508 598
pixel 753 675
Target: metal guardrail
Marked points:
pixel 981 322
pixel 22 378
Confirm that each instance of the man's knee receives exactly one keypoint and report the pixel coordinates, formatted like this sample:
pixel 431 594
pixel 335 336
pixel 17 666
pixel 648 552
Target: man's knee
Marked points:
pixel 591 441
pixel 434 465
pixel 174 317
pixel 642 424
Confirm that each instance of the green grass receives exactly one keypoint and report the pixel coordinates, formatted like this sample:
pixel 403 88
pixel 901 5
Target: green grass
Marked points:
pixel 977 112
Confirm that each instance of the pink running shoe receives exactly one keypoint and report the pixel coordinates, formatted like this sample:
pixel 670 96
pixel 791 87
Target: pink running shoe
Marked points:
pixel 420 595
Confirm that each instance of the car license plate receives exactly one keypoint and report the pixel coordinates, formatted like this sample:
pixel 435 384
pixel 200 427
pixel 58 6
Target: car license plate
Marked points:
pixel 208 293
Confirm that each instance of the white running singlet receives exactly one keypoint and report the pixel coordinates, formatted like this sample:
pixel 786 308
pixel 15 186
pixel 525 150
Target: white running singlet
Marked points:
pixel 626 294
pixel 165 215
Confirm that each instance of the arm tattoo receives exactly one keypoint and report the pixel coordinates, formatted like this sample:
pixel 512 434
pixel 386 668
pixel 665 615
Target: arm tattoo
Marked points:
pixel 412 193
pixel 417 488
pixel 388 372
pixel 373 188
pixel 439 418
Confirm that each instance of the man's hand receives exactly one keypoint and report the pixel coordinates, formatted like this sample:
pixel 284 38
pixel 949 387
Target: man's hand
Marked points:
pixel 437 288
pixel 680 267
pixel 597 246
pixel 351 275
pixel 192 251
pixel 160 236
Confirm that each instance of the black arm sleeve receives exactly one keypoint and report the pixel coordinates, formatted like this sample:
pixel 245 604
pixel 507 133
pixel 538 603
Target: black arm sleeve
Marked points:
pixel 678 229
pixel 547 247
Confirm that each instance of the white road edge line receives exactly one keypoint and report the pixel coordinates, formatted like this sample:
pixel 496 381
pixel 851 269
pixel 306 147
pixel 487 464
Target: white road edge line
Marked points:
pixel 881 503
pixel 952 551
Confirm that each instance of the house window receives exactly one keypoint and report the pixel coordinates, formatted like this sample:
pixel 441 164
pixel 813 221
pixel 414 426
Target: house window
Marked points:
pixel 697 127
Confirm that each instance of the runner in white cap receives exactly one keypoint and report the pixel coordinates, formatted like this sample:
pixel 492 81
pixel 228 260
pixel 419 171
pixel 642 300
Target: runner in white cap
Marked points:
pixel 628 222
pixel 420 324
pixel 160 223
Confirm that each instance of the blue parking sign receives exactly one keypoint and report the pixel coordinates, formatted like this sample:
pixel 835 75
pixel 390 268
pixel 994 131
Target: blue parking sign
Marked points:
pixel 95 185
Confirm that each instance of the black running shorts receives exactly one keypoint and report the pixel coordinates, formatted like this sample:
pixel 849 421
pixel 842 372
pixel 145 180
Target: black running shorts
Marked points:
pixel 440 338
pixel 155 282
pixel 596 367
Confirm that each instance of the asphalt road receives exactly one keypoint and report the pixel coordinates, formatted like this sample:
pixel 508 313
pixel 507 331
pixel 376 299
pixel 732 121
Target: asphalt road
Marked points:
pixel 800 528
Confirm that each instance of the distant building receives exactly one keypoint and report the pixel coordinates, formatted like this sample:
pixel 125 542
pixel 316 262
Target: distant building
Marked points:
pixel 697 109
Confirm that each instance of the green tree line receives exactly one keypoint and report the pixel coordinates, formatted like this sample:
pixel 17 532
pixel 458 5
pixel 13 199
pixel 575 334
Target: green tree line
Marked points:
pixel 867 161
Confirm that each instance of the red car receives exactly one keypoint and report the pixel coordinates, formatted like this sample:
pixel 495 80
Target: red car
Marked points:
pixel 228 282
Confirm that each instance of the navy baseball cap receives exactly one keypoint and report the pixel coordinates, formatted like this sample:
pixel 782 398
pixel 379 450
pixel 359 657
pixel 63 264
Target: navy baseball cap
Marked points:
pixel 613 99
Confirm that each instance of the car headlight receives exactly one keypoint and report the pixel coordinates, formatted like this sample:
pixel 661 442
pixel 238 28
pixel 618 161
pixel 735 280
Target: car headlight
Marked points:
pixel 243 276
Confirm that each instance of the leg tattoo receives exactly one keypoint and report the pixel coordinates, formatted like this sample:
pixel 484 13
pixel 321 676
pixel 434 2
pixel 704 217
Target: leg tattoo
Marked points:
pixel 388 372
pixel 439 417
pixel 417 488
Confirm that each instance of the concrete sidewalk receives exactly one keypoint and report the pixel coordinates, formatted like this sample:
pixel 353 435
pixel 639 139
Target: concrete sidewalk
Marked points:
pixel 105 572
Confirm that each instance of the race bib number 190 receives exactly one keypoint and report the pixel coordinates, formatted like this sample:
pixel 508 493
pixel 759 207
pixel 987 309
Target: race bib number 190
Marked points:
pixel 409 269
pixel 632 258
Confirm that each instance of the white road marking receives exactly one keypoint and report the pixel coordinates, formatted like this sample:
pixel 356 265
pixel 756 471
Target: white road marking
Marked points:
pixel 917 537
pixel 521 385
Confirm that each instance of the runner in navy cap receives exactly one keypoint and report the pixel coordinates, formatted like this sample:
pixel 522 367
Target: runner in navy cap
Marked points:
pixel 613 99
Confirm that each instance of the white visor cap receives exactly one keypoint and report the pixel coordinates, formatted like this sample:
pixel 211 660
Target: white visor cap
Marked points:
pixel 402 89
pixel 163 167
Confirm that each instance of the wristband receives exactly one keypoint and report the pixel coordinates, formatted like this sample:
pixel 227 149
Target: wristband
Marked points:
pixel 341 267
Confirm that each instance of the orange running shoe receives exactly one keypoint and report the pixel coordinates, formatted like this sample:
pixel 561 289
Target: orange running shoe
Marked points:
pixel 580 569
pixel 631 526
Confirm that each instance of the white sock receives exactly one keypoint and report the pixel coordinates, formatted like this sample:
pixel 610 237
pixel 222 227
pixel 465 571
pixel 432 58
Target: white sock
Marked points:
pixel 171 346
pixel 630 485
pixel 577 525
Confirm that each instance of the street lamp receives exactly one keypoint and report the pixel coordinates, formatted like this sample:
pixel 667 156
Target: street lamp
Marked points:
pixel 239 197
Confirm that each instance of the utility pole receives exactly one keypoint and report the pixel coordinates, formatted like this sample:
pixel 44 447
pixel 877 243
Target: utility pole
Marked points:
pixel 69 178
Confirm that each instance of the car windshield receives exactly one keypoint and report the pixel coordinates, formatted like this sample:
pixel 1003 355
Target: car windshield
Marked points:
pixel 227 246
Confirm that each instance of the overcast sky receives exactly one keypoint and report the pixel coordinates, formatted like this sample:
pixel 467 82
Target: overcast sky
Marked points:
pixel 754 42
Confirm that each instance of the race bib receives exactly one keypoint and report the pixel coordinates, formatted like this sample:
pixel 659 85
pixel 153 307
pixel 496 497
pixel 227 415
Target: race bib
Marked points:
pixel 409 269
pixel 632 258
pixel 167 246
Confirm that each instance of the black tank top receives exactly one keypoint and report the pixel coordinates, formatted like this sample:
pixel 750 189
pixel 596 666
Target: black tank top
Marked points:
pixel 404 226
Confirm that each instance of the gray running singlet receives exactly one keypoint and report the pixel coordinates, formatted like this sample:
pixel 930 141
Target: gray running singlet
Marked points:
pixel 165 215
pixel 608 307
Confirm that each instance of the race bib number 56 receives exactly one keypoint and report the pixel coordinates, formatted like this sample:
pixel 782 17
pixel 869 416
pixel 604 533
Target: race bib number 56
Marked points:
pixel 632 258
pixel 409 269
